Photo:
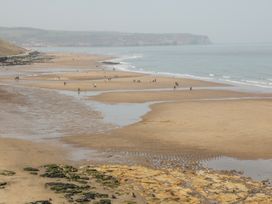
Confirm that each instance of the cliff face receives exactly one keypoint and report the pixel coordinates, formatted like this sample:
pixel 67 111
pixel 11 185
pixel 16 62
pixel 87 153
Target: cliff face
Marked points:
pixel 7 48
pixel 38 37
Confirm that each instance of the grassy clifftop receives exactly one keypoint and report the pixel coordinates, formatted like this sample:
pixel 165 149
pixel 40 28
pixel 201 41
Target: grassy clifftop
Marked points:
pixel 7 48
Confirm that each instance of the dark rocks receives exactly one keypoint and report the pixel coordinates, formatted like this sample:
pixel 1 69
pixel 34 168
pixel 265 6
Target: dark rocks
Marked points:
pixel 23 59
pixel 58 171
pixel 104 179
pixel 3 184
pixel 31 169
pixel 104 201
pixel 60 187
pixel 110 63
pixel 266 182
pixel 90 195
pixel 53 171
pixel 40 202
pixel 68 172
pixel 7 173
pixel 73 183
pixel 73 192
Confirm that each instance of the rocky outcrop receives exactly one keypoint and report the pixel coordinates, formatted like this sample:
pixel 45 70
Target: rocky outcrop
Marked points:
pixel 23 59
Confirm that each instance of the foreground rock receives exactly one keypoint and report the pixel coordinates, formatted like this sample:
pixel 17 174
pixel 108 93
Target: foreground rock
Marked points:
pixel 25 58
pixel 203 186
pixel 134 184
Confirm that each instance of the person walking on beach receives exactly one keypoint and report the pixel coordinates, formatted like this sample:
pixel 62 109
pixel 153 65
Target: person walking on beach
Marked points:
pixel 78 91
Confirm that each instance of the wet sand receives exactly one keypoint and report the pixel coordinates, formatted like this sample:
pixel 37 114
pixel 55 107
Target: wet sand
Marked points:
pixel 174 95
pixel 238 128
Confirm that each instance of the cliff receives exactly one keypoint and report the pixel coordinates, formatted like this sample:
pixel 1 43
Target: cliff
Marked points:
pixel 37 37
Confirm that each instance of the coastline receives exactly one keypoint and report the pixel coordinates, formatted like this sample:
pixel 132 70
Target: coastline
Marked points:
pixel 159 131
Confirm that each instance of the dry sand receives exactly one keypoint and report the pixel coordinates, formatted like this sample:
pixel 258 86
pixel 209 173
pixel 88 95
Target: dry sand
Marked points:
pixel 23 187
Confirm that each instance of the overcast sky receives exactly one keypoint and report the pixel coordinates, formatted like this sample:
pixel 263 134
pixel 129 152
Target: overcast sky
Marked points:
pixel 222 20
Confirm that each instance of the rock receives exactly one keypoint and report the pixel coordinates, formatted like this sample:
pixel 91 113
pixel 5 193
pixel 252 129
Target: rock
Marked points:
pixel 53 171
pixel 40 202
pixel 90 195
pixel 266 182
pixel 3 184
pixel 60 187
pixel 105 201
pixel 68 172
pixel 30 169
pixel 103 178
pixel 7 173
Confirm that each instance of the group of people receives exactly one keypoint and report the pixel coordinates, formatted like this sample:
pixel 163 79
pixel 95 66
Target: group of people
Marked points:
pixel 176 84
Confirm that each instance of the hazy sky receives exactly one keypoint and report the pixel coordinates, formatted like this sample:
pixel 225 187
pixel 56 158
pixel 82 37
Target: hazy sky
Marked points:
pixel 221 20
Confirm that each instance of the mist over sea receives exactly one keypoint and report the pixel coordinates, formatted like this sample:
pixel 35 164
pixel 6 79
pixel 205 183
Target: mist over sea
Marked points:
pixel 244 64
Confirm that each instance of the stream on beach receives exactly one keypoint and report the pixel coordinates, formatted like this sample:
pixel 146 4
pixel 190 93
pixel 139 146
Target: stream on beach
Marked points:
pixel 47 115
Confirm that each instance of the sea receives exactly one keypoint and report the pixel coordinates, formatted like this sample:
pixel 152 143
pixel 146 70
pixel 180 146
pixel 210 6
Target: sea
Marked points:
pixel 241 64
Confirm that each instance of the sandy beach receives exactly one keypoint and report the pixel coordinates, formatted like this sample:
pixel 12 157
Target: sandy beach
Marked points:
pixel 212 119
pixel 231 128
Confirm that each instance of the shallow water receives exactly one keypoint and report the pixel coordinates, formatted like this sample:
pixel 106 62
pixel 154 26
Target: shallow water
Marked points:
pixel 121 114
pixel 257 169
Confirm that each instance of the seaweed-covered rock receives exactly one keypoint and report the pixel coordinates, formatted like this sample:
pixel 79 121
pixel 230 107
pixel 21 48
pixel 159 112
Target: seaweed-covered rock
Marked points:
pixel 104 179
pixel 53 171
pixel 31 169
pixel 71 188
pixel 60 171
pixel 40 202
pixel 105 201
pixel 7 173
pixel 3 184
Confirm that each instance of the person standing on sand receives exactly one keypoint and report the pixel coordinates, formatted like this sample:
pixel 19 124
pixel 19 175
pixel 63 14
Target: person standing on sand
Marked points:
pixel 78 91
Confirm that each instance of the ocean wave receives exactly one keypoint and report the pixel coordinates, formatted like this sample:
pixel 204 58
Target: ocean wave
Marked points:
pixel 124 58
pixel 127 66
pixel 261 84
